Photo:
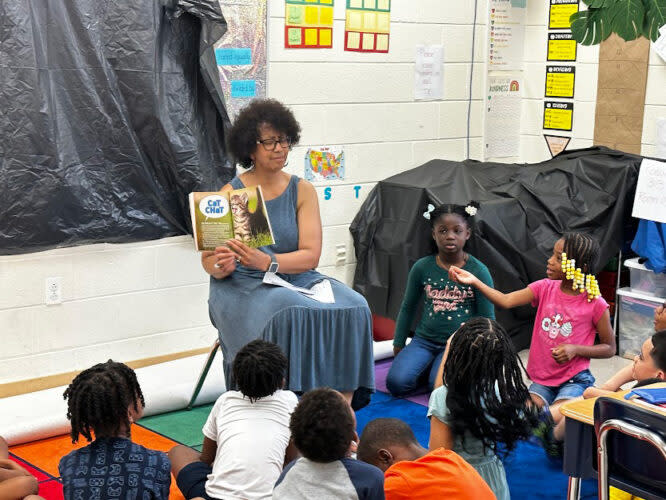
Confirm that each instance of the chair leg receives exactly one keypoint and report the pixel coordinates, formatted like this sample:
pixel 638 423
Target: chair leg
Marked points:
pixel 573 493
pixel 204 373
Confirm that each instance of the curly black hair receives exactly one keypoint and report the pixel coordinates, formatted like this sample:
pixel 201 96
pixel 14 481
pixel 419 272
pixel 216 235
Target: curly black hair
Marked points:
pixel 486 393
pixel 449 208
pixel 98 399
pixel 583 248
pixel 658 352
pixel 259 369
pixel 382 432
pixel 322 425
pixel 244 133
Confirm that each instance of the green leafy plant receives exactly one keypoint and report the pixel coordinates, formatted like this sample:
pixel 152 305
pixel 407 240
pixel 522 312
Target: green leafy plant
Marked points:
pixel 629 19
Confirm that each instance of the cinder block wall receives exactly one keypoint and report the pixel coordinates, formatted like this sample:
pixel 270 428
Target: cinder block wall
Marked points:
pixel 141 300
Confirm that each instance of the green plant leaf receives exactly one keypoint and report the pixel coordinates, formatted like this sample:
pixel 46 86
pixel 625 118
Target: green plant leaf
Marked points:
pixel 590 27
pixel 655 18
pixel 628 18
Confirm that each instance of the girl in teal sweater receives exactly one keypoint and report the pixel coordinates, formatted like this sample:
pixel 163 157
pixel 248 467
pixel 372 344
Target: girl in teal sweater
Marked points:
pixel 446 304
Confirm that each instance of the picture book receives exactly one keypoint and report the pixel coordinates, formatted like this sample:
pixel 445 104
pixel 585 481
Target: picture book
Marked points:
pixel 221 216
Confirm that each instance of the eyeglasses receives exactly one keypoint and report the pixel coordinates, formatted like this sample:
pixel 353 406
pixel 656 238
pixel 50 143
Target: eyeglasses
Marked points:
pixel 271 144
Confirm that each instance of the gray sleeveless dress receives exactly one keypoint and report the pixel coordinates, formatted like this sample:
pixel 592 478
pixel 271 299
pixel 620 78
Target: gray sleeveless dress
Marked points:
pixel 326 344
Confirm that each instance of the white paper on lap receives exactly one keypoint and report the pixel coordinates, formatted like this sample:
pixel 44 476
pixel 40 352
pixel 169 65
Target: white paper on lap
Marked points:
pixel 322 291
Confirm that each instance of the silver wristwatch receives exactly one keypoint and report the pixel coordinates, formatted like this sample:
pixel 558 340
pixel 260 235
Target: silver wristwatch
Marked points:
pixel 273 267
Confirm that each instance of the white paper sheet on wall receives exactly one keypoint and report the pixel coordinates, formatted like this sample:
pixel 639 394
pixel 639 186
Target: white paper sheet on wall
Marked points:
pixel 659 45
pixel 428 76
pixel 502 123
pixel 650 199
pixel 661 138
pixel 507 35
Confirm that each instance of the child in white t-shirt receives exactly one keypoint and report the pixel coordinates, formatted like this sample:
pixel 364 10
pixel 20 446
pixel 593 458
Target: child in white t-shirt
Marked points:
pixel 246 436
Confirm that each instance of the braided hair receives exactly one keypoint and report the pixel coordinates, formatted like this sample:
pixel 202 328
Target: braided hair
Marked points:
pixel 98 399
pixel 486 393
pixel 449 208
pixel 583 248
pixel 259 369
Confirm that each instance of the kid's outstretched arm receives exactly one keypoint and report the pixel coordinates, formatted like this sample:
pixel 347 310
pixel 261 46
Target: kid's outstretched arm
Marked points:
pixel 503 300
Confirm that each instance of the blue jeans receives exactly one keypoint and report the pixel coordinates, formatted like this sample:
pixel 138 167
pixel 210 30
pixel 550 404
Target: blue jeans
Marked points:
pixel 414 367
pixel 570 389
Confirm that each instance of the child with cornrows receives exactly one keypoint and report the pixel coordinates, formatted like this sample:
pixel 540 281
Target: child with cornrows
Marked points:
pixel 569 314
pixel 446 304
pixel 104 401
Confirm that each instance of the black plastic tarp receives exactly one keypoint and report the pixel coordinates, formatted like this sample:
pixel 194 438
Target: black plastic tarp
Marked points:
pixel 110 114
pixel 523 210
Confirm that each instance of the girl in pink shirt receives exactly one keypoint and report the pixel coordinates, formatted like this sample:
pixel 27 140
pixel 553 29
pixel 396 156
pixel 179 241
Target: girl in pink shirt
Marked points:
pixel 565 325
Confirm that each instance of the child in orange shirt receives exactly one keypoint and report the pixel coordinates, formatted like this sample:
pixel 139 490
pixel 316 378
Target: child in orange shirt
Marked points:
pixel 411 472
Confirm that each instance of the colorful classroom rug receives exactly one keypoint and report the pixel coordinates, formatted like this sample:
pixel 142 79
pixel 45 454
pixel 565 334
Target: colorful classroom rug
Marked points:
pixel 531 474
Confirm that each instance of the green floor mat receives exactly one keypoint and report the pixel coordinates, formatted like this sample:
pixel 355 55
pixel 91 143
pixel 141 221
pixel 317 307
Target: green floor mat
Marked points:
pixel 183 426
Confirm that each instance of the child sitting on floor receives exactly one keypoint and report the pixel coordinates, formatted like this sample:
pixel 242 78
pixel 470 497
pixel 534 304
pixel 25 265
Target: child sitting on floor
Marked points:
pixel 104 401
pixel 323 430
pixel 15 482
pixel 482 401
pixel 246 435
pixel 411 471
pixel 445 304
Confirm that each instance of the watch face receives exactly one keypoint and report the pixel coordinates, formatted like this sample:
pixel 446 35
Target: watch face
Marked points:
pixel 273 267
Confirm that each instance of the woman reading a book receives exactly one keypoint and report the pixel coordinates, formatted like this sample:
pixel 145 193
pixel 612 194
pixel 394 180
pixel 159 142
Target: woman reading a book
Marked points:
pixel 328 344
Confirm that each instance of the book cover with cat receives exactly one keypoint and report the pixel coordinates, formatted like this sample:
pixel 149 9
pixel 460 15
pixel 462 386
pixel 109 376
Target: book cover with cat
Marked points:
pixel 239 213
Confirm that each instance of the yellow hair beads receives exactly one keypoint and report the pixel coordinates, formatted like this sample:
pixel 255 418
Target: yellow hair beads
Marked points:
pixel 585 283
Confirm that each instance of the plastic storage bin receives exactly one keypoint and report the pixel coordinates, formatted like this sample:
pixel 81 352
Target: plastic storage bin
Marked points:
pixel 643 280
pixel 635 321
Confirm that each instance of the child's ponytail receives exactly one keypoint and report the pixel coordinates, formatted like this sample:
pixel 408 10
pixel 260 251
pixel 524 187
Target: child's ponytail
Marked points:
pixel 579 258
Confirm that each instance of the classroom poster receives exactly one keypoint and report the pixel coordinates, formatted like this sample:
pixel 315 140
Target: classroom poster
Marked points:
pixel 428 84
pixel 241 53
pixel 650 199
pixel 308 24
pixel 560 12
pixel 507 35
pixel 556 143
pixel 560 81
pixel 367 25
pixel 558 115
pixel 502 123
pixel 561 47
pixel 324 163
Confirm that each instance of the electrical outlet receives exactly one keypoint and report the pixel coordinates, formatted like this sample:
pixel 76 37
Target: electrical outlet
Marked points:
pixel 340 254
pixel 53 290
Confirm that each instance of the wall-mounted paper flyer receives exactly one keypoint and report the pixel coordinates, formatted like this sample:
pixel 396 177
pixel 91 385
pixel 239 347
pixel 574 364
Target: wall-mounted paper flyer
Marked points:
pixel 502 123
pixel 650 199
pixel 428 84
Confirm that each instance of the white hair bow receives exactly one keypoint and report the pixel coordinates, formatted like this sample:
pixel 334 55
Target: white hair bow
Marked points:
pixel 426 215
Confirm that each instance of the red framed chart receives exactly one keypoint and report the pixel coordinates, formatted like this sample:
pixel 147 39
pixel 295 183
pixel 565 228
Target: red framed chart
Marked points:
pixel 367 25
pixel 308 24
